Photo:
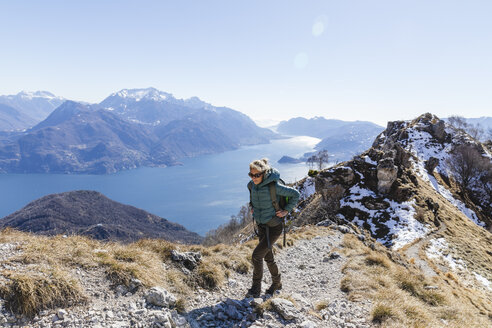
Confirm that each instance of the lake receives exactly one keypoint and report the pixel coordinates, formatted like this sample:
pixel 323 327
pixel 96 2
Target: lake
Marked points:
pixel 201 194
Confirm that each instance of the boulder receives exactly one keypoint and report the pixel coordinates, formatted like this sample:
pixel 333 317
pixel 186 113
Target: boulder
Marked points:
pixel 285 308
pixel 431 164
pixel 308 324
pixel 160 297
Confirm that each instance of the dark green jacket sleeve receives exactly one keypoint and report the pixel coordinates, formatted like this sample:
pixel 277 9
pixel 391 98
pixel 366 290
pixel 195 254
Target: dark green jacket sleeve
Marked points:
pixel 289 192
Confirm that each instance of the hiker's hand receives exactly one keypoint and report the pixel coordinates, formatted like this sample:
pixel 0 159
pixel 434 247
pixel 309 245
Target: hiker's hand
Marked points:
pixel 281 214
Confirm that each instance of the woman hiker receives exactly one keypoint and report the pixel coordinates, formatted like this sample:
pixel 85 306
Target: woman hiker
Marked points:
pixel 268 219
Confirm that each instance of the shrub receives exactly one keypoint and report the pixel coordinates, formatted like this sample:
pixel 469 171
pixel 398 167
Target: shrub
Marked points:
pixel 313 173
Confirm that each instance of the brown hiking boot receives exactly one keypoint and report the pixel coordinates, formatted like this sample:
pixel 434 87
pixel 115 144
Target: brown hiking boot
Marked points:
pixel 254 291
pixel 274 287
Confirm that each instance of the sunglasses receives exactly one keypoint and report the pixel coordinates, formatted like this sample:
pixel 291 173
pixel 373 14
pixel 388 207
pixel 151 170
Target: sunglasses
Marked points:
pixel 257 175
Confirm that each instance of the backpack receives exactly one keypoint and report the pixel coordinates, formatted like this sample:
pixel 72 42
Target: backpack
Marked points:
pixel 283 200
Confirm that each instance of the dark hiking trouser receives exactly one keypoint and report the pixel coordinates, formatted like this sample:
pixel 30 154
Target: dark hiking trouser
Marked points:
pixel 263 252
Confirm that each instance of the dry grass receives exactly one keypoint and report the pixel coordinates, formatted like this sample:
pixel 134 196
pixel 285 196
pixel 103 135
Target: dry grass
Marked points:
pixel 30 293
pixel 147 260
pixel 321 305
pixel 210 274
pixel 267 305
pixel 381 312
pixel 374 258
pixel 180 305
pixel 400 296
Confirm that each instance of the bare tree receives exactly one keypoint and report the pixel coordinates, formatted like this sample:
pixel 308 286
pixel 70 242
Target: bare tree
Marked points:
pixel 225 233
pixel 475 131
pixel 322 159
pixel 486 181
pixel 311 161
pixel 458 122
pixel 466 165
pixel 319 159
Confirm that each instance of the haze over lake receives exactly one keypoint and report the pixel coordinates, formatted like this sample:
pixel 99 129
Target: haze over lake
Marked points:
pixel 201 194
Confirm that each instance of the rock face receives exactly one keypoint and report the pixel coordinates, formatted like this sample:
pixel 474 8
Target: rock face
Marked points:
pixel 328 183
pixel 387 172
pixel 92 214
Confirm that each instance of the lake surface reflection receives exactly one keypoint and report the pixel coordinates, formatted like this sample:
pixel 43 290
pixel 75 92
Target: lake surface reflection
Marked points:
pixel 201 194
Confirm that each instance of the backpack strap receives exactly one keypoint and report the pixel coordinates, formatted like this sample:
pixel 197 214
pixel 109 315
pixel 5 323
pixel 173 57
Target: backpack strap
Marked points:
pixel 273 195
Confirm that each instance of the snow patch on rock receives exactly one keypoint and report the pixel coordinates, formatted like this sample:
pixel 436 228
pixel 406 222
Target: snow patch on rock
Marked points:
pixel 307 188
pixel 403 227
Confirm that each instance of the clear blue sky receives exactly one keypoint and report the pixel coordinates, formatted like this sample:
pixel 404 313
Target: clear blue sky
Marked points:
pixel 365 60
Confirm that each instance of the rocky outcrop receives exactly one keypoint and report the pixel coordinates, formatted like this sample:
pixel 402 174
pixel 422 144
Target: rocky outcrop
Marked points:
pixel 377 189
pixel 189 259
pixel 329 182
pixel 434 126
pixel 331 185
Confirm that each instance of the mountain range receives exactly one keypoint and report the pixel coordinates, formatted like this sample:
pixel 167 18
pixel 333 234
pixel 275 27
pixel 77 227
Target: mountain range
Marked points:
pixel 129 129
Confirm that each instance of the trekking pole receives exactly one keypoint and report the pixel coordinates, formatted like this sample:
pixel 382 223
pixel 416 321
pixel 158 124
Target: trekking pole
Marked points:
pixel 283 227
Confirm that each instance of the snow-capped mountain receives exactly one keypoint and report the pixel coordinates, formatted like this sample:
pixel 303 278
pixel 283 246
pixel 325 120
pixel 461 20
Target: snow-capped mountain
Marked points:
pixel 129 129
pixel 153 94
pixel 34 106
pixel 153 107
